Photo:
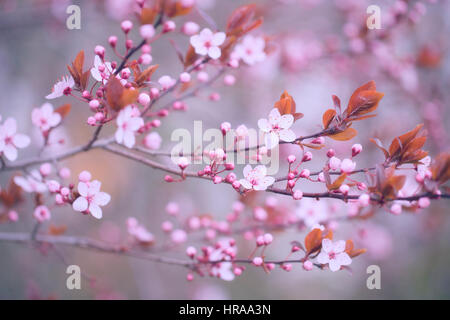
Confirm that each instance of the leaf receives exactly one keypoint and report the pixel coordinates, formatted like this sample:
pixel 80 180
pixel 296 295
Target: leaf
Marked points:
pixel 146 74
pixel 364 100
pixel 440 168
pixel 403 140
pixel 378 143
pixel 240 17
pixel 313 241
pixel 76 71
pixel 286 105
pixel 64 110
pixel 148 15
pixel 345 135
pixel 338 182
pixel 349 249
pixel 336 102
pixel 117 96
pixel 328 117
pixel 56 230
pixel 190 57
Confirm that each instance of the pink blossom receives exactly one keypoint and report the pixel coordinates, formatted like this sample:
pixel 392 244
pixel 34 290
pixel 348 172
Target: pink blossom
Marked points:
pixel 224 269
pixel 178 236
pixel 31 183
pixel 257 261
pixel 312 211
pixel 128 123
pixel 334 163
pixel 10 140
pixel 190 28
pixel 166 82
pixel 91 198
pixel 41 213
pixel 62 87
pixel 276 128
pixel 101 70
pixel 153 141
pixel 256 178
pixel 44 117
pixel 356 149
pixel 307 265
pixel 347 165
pixel 138 231
pixel 251 50
pixel 208 43
pixel 333 254
pixel 147 31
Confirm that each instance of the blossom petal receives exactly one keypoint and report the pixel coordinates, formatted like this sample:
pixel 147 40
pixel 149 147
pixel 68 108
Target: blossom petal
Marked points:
pixel 287 135
pixel 343 259
pixel 96 211
pixel 10 126
pixel 247 170
pixel 80 204
pixel 10 152
pixel 268 181
pixel 246 184
pixel 21 140
pixel 135 123
pixel 327 245
pixel 214 52
pixel 323 258
pixel 218 38
pixel 264 125
pixel 54 119
pixel 339 246
pixel 271 140
pixel 119 135
pixel 102 198
pixel 334 265
pixel 129 139
pixel 83 189
pixel 286 121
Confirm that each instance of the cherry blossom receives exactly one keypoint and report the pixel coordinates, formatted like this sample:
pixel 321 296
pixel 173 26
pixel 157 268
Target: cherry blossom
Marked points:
pixel 223 270
pixel 276 128
pixel 208 43
pixel 101 70
pixel 312 211
pixel 91 198
pixel 153 141
pixel 45 118
pixel 10 140
pixel 138 231
pixel 333 254
pixel 256 178
pixel 128 124
pixel 251 50
pixel 31 183
pixel 62 87
pixel 42 213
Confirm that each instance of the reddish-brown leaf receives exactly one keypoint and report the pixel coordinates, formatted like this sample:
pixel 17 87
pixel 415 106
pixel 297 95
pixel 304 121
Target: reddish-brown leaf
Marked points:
pixel 313 240
pixel 64 110
pixel 327 117
pixel 286 105
pixel 345 135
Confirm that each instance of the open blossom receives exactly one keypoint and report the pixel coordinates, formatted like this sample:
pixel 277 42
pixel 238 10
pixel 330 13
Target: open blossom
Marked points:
pixel 101 70
pixel 62 87
pixel 276 128
pixel 251 50
pixel 128 122
pixel 256 178
pixel 31 183
pixel 138 231
pixel 208 43
pixel 41 213
pixel 347 165
pixel 312 212
pixel 333 254
pixel 91 198
pixel 45 118
pixel 223 270
pixel 10 140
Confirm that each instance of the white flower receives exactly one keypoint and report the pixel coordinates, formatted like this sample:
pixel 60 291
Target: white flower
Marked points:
pixel 223 270
pixel 62 87
pixel 251 50
pixel 10 140
pixel 91 198
pixel 138 231
pixel 128 123
pixel 256 179
pixel 312 212
pixel 423 169
pixel 207 43
pixel 101 70
pixel 44 117
pixel 31 183
pixel 333 254
pixel 277 128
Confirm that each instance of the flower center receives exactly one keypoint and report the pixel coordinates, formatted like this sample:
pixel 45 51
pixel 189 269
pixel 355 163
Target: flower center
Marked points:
pixel 332 255
pixel 67 91
pixel 208 44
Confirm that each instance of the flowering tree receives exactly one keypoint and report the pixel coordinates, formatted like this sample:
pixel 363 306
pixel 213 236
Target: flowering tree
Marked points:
pixel 126 96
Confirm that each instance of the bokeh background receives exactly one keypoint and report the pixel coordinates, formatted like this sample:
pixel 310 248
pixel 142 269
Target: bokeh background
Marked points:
pixel 315 52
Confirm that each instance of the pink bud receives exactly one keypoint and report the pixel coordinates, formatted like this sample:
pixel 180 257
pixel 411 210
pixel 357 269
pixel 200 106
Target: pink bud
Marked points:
pixel 291 183
pixel 100 51
pixel 167 226
pixel 259 214
pixel 423 202
pixel 396 209
pixel 286 267
pixel 305 173
pixel 85 176
pixel 268 238
pixel 64 191
pixel 172 208
pixel 126 26
pixel 112 40
pixel 154 93
pixel 91 121
pixel 185 77
pixel 191 252
pixel 183 162
pixel 45 169
pixel 190 28
pixel 356 149
pixel 307 156
pixel 347 165
pixel 144 99
pixel 64 173
pixel 168 178
pixel 297 195
pixel 202 76
pixel 214 96
pixel 364 200
pixel 344 188
pixel 318 140
pixel 236 185
pixel 237 271
pixel 13 216
pixel 217 180
pixel 334 163
pixel 307 265
pixel 94 104
pixel 229 80
pixel 147 31
pixel 257 261
pixel 229 166
pixel 330 153
pixel 291 159
pixel 169 26
pixel 53 186
pixel 190 277
pixel 225 127
pixel 260 241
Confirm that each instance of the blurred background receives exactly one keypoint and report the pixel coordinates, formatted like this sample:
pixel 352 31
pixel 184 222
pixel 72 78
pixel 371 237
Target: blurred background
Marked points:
pixel 316 49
